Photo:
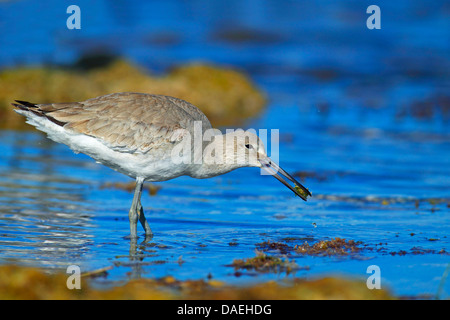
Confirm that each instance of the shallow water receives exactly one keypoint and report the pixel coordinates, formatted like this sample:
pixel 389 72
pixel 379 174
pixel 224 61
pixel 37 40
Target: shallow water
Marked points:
pixel 363 117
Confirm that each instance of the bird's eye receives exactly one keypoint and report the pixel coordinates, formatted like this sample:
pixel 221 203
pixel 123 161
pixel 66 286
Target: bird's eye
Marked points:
pixel 249 146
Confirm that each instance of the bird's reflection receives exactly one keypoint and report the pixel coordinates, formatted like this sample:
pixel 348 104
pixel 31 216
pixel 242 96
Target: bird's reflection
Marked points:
pixel 138 252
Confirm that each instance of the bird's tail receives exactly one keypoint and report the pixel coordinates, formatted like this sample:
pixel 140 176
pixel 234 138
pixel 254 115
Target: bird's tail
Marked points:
pixel 28 106
pixel 35 109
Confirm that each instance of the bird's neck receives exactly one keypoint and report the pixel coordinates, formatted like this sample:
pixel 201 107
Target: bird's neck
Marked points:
pixel 216 159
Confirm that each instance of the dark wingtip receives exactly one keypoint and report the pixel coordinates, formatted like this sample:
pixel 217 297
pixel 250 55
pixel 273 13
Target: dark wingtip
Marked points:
pixel 24 104
pixel 34 108
pixel 27 106
pixel 20 106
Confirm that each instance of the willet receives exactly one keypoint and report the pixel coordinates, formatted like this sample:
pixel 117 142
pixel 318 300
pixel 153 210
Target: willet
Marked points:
pixel 139 134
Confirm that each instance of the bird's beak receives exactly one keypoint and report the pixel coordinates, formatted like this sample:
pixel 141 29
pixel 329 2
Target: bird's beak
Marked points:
pixel 272 168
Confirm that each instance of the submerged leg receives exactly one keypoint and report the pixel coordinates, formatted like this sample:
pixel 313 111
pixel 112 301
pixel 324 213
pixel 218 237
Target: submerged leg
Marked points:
pixel 134 212
pixel 145 225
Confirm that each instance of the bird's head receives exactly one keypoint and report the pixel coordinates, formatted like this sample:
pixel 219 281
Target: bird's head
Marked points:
pixel 245 149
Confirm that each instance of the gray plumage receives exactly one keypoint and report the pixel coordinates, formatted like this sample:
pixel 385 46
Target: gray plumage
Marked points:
pixel 125 121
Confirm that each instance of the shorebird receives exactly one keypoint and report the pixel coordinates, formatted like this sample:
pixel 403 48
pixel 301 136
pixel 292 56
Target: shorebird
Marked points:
pixel 144 136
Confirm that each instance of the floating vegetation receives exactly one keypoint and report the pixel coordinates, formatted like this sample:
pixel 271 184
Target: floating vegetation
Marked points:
pixel 382 248
pixel 263 263
pixel 274 246
pixel 434 106
pixel 341 247
pixel 418 250
pixel 384 201
pixel 227 97
pixel 334 247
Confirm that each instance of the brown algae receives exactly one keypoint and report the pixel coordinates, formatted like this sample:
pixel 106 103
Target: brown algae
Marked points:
pixel 264 263
pixel 333 247
pixel 33 284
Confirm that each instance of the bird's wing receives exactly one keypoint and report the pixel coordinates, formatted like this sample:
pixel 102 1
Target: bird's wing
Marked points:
pixel 125 121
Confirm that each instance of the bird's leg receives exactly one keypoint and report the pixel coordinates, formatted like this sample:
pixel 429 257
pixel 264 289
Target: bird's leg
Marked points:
pixel 145 225
pixel 133 214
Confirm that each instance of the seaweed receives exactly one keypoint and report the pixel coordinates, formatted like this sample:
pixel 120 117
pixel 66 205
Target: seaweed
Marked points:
pixel 32 283
pixel 263 263
pixel 333 247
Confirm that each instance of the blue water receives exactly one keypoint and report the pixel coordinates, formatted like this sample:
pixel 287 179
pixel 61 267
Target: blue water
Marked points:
pixel 365 113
